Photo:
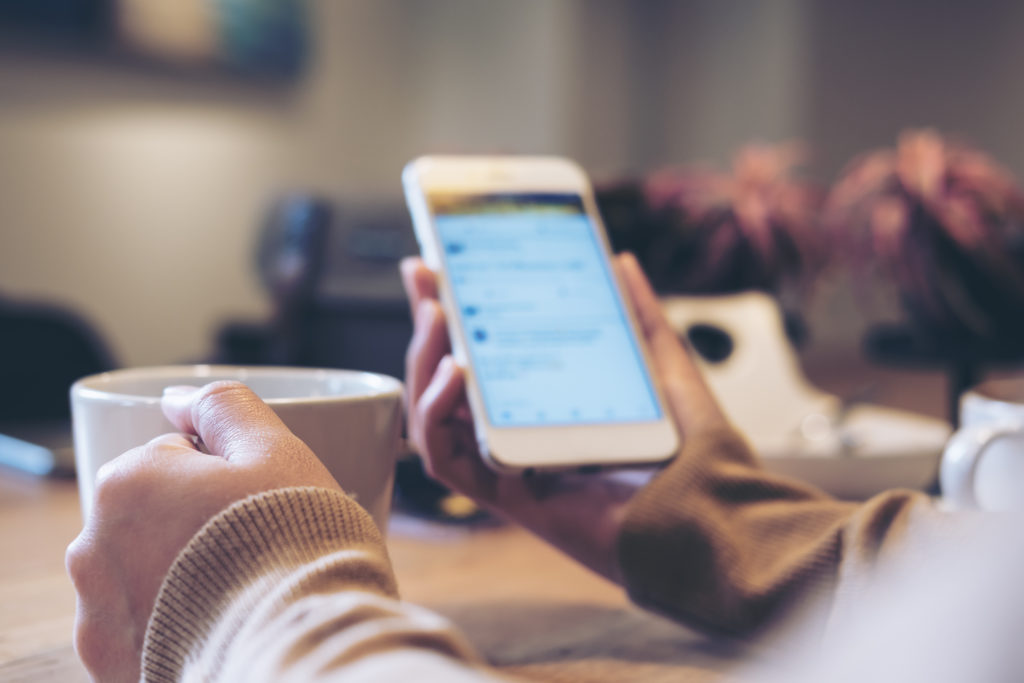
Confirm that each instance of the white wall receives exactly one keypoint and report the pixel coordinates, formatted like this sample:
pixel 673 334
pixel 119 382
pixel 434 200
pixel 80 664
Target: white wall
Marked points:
pixel 135 208
pixel 136 196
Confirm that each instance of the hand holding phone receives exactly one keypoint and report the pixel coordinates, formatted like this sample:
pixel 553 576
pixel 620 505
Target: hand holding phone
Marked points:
pixel 579 514
pixel 556 373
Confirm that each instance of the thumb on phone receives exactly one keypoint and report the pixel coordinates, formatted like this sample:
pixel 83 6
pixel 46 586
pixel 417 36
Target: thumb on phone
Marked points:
pixel 689 396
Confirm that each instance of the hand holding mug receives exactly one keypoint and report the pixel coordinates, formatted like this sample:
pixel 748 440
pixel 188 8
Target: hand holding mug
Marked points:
pixel 150 501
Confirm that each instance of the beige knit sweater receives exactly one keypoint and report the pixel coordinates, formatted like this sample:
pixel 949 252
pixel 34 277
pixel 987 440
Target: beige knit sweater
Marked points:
pixel 295 584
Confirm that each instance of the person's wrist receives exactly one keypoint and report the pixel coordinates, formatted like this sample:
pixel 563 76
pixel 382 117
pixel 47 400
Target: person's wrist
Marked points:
pixel 591 541
pixel 582 519
pixel 281 530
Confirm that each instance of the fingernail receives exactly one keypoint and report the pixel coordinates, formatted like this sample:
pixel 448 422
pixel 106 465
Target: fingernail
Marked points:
pixel 447 364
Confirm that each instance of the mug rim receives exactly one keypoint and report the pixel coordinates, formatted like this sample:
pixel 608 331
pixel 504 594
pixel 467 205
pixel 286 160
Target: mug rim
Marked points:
pixel 377 385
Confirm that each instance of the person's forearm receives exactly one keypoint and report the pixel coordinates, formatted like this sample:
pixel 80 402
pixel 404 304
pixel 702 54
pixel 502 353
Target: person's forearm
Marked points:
pixel 295 584
pixel 720 544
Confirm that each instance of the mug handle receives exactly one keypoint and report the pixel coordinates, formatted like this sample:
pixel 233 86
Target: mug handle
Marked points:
pixel 960 461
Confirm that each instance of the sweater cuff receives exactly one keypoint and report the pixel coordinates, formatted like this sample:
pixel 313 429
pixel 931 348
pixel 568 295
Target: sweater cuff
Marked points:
pixel 250 554
pixel 703 541
pixel 657 524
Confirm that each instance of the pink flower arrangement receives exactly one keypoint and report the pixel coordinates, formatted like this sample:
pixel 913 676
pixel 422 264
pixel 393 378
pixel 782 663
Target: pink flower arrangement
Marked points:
pixel 709 231
pixel 945 223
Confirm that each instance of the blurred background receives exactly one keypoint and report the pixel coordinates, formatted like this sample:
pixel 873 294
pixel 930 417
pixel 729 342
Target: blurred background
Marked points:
pixel 219 180
pixel 144 145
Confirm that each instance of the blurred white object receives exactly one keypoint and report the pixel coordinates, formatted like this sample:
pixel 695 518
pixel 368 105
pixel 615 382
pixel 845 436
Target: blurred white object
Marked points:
pixel 850 450
pixel 983 466
pixel 944 606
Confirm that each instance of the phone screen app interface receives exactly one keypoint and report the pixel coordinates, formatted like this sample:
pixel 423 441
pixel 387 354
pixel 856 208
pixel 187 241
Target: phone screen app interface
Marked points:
pixel 546 330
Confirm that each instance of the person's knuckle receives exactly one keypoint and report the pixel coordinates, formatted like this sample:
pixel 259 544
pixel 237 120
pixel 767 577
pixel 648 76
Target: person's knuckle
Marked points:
pixel 152 459
pixel 422 415
pixel 78 559
pixel 414 352
pixel 412 349
pixel 117 481
pixel 110 484
pixel 220 394
pixel 416 437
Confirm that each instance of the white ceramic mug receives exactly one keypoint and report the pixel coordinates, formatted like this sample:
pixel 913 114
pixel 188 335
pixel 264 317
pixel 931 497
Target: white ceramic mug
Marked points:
pixel 351 420
pixel 983 464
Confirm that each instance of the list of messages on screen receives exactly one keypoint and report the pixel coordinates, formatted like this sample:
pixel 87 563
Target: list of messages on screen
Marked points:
pixel 547 333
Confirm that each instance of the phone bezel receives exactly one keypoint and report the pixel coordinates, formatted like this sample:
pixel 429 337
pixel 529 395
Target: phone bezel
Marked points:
pixel 533 447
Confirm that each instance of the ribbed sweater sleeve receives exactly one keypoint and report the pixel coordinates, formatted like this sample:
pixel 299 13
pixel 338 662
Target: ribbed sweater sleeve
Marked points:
pixel 295 584
pixel 716 542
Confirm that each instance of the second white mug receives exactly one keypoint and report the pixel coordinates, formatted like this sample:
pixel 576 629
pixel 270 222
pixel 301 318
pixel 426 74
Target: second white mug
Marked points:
pixel 983 464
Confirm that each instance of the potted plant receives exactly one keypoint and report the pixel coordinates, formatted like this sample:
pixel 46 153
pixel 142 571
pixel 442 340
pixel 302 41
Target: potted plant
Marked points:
pixel 944 224
pixel 699 230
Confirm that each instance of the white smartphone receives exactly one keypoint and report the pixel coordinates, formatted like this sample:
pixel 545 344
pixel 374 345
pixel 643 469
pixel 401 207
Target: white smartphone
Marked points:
pixel 558 376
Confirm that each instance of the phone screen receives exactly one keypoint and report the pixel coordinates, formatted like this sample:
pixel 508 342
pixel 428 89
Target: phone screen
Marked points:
pixel 546 331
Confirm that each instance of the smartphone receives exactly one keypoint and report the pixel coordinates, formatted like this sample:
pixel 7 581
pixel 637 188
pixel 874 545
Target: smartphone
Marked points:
pixel 558 376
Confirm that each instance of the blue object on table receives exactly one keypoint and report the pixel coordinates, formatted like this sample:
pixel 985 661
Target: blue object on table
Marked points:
pixel 26 456
pixel 42 446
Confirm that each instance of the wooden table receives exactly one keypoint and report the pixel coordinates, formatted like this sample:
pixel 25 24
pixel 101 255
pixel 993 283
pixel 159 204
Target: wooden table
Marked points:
pixel 528 609
pixel 38 518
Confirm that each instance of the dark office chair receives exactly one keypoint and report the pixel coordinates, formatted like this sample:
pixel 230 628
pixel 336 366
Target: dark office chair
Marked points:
pixel 43 350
